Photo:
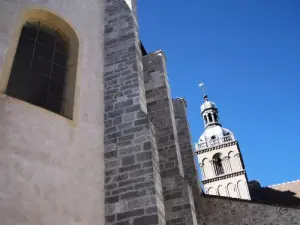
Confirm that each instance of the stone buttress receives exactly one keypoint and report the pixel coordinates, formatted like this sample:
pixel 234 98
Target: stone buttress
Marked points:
pixel 178 200
pixel 185 145
pixel 133 182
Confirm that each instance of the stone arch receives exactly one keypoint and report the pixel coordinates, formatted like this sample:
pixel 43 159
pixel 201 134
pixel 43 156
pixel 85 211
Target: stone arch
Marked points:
pixel 222 191
pixel 206 169
pixel 238 160
pixel 233 161
pixel 211 191
pixel 52 21
pixel 226 164
pixel 242 190
pixel 232 192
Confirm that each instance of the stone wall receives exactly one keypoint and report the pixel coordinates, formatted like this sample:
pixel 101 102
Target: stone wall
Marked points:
pixel 133 183
pixel 293 186
pixel 185 145
pixel 219 211
pixel 178 200
pixel 52 168
pixel 213 210
pixel 287 194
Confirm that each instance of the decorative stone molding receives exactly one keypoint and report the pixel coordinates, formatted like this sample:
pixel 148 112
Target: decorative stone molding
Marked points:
pixel 216 147
pixel 223 177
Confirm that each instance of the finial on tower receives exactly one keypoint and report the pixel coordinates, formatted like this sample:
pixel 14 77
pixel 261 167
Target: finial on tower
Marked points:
pixel 201 85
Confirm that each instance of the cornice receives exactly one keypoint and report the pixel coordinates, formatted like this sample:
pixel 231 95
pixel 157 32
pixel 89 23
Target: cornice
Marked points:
pixel 227 144
pixel 223 177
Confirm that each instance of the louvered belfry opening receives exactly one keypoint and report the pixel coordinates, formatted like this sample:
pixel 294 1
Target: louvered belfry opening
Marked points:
pixel 218 166
pixel 39 69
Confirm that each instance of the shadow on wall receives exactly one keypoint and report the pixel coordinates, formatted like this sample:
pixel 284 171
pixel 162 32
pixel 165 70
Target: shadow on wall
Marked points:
pixel 271 196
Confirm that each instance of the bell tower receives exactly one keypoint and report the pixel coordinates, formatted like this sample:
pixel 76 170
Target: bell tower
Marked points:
pixel 218 153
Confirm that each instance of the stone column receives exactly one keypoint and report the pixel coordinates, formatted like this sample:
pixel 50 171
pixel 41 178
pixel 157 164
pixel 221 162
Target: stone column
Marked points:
pixel 179 205
pixel 133 182
pixel 213 168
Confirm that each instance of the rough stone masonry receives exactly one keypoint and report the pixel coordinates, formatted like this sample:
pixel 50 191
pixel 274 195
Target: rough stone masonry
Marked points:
pixel 151 177
pixel 178 199
pixel 133 182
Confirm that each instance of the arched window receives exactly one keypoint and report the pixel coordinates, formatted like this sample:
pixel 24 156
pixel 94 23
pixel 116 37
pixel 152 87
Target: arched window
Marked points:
pixel 242 190
pixel 40 66
pixel 211 191
pixel 226 164
pixel 217 162
pixel 222 191
pixel 44 68
pixel 206 169
pixel 205 119
pixel 215 117
pixel 209 117
pixel 235 161
pixel 232 190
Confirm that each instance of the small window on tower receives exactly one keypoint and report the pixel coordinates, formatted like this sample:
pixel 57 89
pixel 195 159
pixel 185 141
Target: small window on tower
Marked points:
pixel 216 117
pixel 217 162
pixel 209 117
pixel 205 119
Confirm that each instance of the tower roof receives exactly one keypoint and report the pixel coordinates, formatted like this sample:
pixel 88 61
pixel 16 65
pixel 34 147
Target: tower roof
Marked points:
pixel 214 133
pixel 207 105
pixel 213 129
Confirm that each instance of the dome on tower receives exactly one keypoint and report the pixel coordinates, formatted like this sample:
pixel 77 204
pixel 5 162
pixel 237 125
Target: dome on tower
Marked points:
pixel 207 105
pixel 215 132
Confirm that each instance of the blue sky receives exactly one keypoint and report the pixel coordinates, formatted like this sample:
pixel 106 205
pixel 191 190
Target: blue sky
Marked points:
pixel 247 52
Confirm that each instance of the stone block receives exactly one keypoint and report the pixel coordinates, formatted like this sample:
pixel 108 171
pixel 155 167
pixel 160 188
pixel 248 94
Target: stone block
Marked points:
pixel 144 156
pixel 128 160
pixel 146 220
pixel 127 125
pixel 133 213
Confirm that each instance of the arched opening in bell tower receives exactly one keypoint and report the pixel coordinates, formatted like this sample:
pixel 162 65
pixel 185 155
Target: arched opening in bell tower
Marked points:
pixel 215 117
pixel 209 117
pixel 205 119
pixel 217 163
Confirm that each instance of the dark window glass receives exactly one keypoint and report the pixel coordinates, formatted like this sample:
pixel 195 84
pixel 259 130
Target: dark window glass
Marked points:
pixel 30 30
pixel 60 59
pixel 215 117
pixel 58 73
pixel 209 117
pixel 39 68
pixel 217 161
pixel 61 46
pixel 45 38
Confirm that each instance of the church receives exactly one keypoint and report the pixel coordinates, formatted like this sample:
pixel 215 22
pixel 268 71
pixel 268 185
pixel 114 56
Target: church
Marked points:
pixel 218 153
pixel 223 170
pixel 90 134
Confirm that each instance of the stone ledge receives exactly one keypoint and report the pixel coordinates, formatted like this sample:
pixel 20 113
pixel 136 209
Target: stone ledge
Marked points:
pixel 216 147
pixel 156 53
pixel 203 195
pixel 225 176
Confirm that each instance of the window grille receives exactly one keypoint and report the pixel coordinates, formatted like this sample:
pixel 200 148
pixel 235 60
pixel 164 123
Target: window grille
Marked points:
pixel 38 74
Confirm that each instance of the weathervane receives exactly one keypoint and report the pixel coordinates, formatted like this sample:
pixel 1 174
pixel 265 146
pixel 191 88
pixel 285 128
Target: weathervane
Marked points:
pixel 201 85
